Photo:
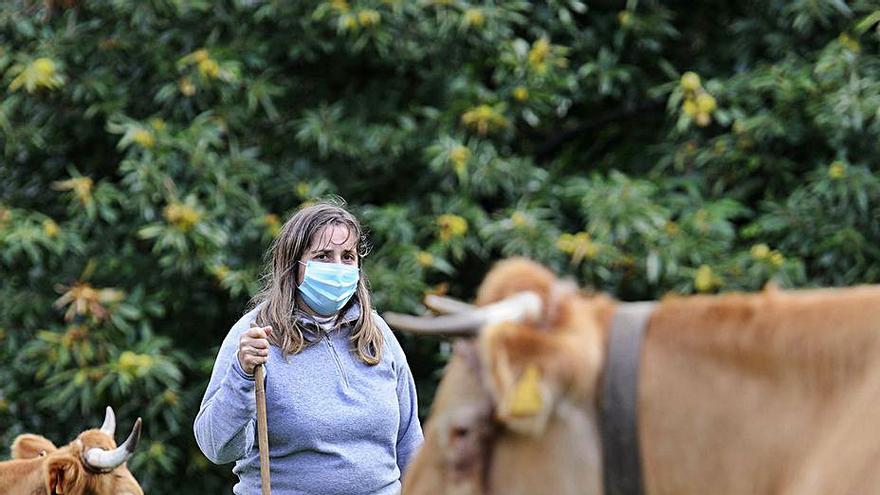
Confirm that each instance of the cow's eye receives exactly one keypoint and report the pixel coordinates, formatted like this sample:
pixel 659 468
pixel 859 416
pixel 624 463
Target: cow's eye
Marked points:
pixel 43 453
pixel 460 432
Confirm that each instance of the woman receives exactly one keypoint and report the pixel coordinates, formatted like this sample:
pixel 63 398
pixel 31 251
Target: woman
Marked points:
pixel 340 398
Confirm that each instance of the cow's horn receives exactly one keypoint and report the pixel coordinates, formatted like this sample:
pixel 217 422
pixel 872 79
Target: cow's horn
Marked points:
pixel 447 305
pixel 458 324
pixel 521 306
pixel 106 460
pixel 524 305
pixel 109 426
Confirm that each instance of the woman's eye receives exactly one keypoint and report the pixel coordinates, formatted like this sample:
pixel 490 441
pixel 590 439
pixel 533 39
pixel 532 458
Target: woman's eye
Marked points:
pixel 320 256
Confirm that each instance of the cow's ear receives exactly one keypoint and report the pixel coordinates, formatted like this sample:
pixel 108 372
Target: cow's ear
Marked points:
pixel 64 476
pixel 520 382
pixel 28 446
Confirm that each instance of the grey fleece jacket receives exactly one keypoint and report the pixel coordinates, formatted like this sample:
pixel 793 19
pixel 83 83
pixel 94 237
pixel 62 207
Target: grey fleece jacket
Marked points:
pixel 336 425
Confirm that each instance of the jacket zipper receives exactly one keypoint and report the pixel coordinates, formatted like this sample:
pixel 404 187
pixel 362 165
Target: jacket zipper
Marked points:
pixel 336 358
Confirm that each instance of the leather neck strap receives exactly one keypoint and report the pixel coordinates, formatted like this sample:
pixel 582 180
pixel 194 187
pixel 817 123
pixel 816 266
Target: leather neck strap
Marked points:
pixel 622 467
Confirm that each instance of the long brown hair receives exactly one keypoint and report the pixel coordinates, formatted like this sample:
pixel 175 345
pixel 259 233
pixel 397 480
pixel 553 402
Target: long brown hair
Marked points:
pixel 279 283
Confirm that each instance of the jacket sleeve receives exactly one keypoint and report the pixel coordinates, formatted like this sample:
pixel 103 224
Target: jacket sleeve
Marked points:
pixel 409 433
pixel 224 426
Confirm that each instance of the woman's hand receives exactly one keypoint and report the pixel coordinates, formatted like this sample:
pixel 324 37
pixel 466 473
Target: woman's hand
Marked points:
pixel 253 348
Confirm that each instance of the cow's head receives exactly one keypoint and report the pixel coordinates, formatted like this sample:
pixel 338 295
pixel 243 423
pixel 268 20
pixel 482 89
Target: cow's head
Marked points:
pixel 92 464
pixel 516 411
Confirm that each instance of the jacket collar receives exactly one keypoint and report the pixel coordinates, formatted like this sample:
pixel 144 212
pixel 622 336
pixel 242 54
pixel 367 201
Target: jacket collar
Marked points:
pixel 351 314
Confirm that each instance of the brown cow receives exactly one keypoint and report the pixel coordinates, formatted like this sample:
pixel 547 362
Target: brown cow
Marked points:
pixel 90 465
pixel 738 393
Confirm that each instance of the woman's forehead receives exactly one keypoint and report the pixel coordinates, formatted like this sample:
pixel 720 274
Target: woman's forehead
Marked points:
pixel 333 236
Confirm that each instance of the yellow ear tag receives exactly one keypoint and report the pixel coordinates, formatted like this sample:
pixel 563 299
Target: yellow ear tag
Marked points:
pixel 526 400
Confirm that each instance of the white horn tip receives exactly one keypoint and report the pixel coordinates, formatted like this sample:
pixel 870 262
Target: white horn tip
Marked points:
pixel 109 426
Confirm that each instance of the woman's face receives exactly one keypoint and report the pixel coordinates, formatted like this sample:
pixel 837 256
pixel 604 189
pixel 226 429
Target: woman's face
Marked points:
pixel 332 244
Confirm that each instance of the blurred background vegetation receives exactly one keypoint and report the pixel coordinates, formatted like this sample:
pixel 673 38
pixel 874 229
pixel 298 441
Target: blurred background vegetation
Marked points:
pixel 152 148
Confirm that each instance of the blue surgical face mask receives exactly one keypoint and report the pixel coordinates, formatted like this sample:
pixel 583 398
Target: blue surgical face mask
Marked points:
pixel 326 287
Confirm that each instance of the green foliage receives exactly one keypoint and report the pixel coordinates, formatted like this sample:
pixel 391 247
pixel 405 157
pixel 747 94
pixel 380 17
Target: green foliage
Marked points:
pixel 152 149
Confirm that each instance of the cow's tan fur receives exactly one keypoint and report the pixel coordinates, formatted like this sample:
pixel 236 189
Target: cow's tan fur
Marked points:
pixel 39 468
pixel 739 393
pixel 28 446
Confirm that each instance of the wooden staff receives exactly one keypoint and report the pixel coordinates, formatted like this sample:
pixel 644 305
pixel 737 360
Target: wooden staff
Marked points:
pixel 262 430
